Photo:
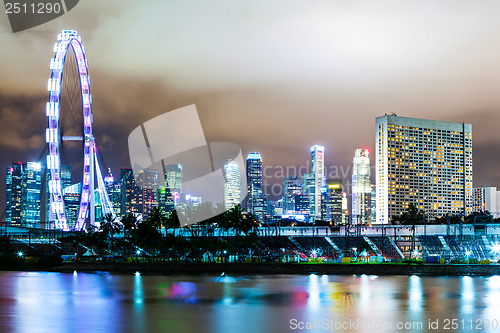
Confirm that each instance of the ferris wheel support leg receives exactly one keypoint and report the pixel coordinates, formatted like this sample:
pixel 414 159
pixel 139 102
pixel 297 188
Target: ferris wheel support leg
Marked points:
pixel 91 221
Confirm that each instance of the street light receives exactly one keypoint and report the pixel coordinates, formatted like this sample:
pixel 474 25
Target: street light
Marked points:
pixel 20 254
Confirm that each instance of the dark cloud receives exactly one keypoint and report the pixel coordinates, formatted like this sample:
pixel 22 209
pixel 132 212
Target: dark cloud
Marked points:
pixel 275 77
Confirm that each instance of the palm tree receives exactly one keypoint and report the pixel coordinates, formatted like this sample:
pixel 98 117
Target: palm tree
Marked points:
pixel 412 216
pixel 157 217
pixel 110 226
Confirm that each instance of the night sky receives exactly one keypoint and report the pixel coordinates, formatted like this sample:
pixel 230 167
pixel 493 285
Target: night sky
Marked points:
pixel 271 76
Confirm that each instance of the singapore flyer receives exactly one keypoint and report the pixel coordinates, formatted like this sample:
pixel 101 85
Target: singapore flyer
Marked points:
pixel 70 40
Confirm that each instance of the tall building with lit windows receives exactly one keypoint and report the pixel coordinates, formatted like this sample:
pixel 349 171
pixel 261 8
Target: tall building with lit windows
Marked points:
pixel 23 194
pixel 361 187
pixel 318 174
pixel 13 194
pixel 255 200
pixel 232 184
pixel 423 162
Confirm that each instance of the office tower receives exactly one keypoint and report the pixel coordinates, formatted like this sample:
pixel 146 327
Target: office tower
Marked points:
pixel 23 186
pixel 232 184
pixel 259 206
pixel 148 185
pixel 113 189
pixel 66 180
pixel 345 210
pixel 131 197
pixel 14 186
pixel 71 197
pixel 173 179
pixel 486 199
pixel 361 187
pixel 302 204
pixel 373 204
pixel 334 201
pixel 325 211
pixel 308 188
pixel 170 194
pixel 422 162
pixel 255 199
pixel 292 185
pixel 318 173
pixel 14 189
pixel 30 194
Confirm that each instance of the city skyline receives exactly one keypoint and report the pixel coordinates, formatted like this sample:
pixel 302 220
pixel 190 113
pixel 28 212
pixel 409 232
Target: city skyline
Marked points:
pixel 341 95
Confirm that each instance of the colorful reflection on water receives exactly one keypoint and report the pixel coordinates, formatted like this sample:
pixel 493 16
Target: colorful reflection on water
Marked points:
pixel 104 302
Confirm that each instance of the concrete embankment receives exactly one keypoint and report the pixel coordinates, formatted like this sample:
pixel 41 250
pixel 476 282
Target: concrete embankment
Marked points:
pixel 282 268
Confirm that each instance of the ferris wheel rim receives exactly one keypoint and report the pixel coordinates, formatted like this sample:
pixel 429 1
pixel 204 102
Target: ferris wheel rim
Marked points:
pixel 66 39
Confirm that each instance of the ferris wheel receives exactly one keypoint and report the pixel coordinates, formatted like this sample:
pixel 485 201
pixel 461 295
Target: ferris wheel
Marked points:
pixel 70 40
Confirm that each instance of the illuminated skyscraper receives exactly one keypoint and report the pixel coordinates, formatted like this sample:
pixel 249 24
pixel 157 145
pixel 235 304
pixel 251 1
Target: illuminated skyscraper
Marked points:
pixel 113 189
pixel 334 200
pixel 32 183
pixel 255 200
pixel 66 180
pixel 486 199
pixel 71 197
pixel 318 173
pixel 13 195
pixel 148 185
pixel 232 184
pixel 291 187
pixel 173 178
pixel 23 194
pixel 422 162
pixel 170 195
pixel 361 187
pixel 131 196
pixel 345 209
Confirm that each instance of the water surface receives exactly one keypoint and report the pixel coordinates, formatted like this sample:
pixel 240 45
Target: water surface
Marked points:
pixel 103 302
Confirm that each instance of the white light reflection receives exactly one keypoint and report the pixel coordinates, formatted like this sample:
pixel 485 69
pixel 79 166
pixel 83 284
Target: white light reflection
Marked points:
pixel 138 292
pixel 492 301
pixel 468 295
pixel 364 293
pixel 415 294
pixel 313 300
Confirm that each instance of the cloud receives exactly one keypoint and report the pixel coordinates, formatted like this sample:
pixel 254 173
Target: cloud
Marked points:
pixel 22 122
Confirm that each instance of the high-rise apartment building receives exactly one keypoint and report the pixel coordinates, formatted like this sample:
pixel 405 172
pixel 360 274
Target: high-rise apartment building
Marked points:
pixel 422 162
pixel 232 184
pixel 318 175
pixel 361 187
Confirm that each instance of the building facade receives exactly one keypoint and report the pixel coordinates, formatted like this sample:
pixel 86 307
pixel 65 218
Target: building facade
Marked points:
pixel 422 162
pixel 292 186
pixel 23 189
pixel 486 199
pixel 334 200
pixel 318 178
pixel 255 199
pixel 361 187
pixel 232 184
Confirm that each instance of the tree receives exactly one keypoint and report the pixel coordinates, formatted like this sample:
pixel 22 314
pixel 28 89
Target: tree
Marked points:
pixel 110 226
pixel 157 217
pixel 412 216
